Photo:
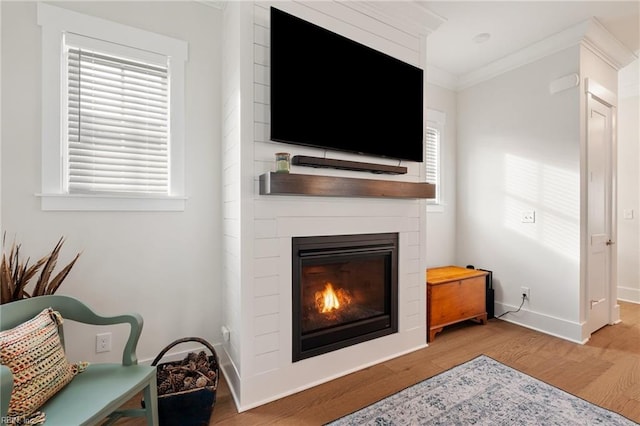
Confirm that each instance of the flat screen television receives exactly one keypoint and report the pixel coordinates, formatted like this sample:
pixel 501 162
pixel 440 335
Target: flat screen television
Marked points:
pixel 331 92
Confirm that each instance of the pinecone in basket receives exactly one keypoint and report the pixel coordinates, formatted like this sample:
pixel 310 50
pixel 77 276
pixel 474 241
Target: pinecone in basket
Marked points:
pixel 177 381
pixel 162 374
pixel 164 387
pixel 188 383
pixel 191 357
pixel 194 371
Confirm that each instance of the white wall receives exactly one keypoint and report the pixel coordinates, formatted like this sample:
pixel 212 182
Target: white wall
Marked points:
pixel 441 220
pixel 628 240
pixel 163 265
pixel 519 150
pixel 522 148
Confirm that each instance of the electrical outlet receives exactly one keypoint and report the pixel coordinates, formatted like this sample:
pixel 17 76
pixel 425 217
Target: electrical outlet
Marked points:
pixel 226 333
pixel 525 292
pixel 103 342
pixel 528 216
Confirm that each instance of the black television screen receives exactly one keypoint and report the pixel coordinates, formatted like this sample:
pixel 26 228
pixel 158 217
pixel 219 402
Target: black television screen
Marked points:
pixel 331 92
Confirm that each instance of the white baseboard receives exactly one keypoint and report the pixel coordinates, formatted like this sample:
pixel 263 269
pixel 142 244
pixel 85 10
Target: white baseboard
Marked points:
pixel 558 327
pixel 629 294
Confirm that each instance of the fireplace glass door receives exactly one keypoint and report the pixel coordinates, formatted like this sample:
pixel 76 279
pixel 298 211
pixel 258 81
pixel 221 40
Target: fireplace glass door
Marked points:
pixel 344 291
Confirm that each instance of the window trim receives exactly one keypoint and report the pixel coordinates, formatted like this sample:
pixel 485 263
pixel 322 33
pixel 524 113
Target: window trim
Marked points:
pixel 55 22
pixel 437 120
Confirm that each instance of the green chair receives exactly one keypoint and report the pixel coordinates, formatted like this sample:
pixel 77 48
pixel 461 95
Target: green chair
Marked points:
pixel 98 392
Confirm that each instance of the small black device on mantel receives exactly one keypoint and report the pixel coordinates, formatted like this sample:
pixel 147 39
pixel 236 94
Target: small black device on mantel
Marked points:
pixel 331 92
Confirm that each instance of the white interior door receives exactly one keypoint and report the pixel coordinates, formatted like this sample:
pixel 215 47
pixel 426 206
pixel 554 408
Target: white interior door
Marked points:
pixel 599 218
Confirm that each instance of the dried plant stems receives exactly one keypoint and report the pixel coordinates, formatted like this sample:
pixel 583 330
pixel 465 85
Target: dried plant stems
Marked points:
pixel 16 274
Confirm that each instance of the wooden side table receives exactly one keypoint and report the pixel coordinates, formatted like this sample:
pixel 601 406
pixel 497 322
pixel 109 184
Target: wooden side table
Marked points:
pixel 454 294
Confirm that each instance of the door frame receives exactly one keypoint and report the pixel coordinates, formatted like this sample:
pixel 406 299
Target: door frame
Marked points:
pixel 598 93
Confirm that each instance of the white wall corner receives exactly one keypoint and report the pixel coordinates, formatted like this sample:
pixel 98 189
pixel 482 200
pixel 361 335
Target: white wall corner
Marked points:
pixel 629 79
pixel 441 78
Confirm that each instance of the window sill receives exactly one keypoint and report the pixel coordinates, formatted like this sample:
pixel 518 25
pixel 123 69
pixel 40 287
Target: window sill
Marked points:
pixel 76 202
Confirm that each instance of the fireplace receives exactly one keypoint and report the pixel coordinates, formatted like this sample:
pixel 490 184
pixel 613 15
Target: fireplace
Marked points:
pixel 345 291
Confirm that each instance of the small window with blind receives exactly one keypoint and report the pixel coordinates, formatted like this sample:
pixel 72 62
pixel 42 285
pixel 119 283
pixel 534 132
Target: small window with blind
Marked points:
pixel 113 115
pixel 432 159
pixel 433 153
pixel 117 120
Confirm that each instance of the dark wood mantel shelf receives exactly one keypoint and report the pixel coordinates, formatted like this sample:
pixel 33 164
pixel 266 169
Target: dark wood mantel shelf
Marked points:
pixel 331 186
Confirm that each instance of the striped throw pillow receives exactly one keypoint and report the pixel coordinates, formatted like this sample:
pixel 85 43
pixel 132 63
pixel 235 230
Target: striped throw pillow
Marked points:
pixel 35 355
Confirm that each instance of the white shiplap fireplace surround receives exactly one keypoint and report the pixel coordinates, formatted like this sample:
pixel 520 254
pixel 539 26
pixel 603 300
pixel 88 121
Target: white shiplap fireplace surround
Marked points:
pixel 256 360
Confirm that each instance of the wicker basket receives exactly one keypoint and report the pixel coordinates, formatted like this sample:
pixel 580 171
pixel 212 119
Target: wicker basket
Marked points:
pixel 190 407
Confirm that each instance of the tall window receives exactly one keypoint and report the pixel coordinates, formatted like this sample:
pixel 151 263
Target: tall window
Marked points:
pixel 432 159
pixel 112 115
pixel 433 155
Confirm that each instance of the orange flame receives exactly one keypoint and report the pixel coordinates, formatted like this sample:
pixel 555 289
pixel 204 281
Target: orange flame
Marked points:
pixel 329 300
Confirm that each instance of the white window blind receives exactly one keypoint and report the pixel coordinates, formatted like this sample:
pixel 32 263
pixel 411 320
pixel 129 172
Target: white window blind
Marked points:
pixel 432 158
pixel 117 127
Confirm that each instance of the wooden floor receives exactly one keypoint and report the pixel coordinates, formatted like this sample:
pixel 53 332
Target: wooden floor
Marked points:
pixel 605 371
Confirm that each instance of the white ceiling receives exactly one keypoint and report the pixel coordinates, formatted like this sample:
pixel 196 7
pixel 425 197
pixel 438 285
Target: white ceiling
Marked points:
pixel 514 25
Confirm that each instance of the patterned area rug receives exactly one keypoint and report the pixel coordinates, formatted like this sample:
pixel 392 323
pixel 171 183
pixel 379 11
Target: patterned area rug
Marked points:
pixel 482 392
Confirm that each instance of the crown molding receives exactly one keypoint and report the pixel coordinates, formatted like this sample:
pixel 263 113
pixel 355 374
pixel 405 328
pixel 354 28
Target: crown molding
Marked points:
pixel 408 16
pixel 216 4
pixel 556 43
pixel 589 33
pixel 606 45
